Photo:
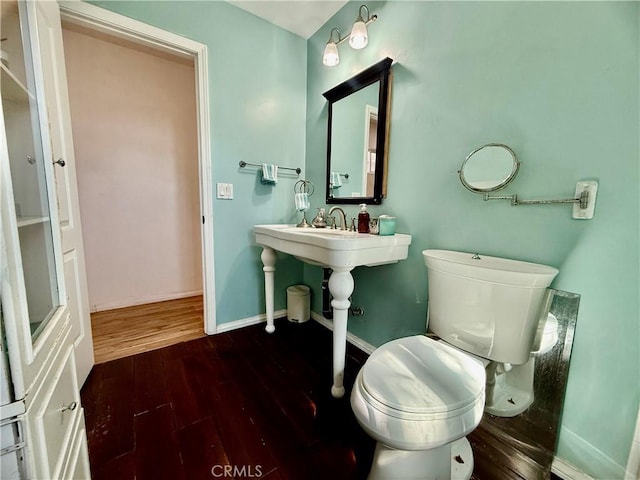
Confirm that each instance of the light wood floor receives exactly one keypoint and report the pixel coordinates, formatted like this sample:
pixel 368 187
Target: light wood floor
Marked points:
pixel 131 330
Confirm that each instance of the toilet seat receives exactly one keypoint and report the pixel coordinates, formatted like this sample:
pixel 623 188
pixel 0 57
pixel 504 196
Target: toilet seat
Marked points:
pixel 417 377
pixel 416 393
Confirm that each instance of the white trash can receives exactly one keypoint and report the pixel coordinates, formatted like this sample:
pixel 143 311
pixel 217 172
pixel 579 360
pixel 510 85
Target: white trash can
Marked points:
pixel 298 305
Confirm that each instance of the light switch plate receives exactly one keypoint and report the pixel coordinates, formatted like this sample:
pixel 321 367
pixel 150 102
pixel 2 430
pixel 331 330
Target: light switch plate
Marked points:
pixel 585 213
pixel 224 191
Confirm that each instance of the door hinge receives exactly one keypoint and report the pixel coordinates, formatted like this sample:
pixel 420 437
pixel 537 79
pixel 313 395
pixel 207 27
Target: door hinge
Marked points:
pixel 203 219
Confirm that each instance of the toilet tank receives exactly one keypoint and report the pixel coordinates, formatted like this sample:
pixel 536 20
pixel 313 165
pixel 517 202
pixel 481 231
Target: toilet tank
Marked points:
pixel 487 306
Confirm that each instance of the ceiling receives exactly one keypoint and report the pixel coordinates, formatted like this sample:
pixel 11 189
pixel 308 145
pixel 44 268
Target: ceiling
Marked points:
pixel 302 17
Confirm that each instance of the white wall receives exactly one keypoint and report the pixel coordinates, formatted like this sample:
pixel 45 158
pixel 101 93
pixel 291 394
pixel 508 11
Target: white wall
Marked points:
pixel 134 125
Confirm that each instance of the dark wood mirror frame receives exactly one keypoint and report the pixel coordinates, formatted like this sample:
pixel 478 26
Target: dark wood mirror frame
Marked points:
pixel 380 72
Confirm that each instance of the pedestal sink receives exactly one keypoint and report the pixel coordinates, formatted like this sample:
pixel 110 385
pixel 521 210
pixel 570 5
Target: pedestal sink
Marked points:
pixel 339 250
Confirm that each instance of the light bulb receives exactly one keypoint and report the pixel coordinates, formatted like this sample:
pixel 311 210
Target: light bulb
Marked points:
pixel 331 58
pixel 358 38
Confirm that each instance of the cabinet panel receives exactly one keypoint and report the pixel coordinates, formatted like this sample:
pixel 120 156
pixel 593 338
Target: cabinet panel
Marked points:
pixel 53 414
pixel 78 463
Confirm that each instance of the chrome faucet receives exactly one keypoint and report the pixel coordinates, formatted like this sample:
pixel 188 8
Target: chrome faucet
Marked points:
pixel 343 217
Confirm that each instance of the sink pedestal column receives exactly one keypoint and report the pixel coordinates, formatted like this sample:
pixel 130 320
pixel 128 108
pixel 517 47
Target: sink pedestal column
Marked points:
pixel 268 257
pixel 341 288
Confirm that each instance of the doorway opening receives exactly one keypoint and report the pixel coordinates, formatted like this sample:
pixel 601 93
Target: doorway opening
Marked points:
pixel 142 140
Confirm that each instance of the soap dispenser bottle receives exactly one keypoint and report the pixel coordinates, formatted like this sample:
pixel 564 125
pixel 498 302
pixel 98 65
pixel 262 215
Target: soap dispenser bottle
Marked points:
pixel 363 219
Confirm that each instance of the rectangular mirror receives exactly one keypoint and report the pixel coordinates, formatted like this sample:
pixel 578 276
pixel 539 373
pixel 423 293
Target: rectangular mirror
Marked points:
pixel 357 136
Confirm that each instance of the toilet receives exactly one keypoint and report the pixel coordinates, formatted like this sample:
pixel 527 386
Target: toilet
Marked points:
pixel 419 397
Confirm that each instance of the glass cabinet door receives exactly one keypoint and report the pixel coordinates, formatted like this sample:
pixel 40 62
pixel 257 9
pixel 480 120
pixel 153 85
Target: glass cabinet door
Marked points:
pixel 31 166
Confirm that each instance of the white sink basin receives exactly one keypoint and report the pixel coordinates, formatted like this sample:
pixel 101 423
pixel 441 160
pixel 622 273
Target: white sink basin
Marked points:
pixel 333 248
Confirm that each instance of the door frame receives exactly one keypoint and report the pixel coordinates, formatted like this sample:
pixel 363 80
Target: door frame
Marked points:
pixel 105 21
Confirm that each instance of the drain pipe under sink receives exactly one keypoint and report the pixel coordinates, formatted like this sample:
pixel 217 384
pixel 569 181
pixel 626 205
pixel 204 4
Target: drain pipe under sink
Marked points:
pixel 327 311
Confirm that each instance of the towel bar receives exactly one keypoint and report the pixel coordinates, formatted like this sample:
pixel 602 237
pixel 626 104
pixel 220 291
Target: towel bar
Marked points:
pixel 244 164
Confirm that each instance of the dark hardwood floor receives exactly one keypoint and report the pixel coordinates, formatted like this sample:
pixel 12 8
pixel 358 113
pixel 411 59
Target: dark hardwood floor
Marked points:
pixel 245 398
pixel 260 403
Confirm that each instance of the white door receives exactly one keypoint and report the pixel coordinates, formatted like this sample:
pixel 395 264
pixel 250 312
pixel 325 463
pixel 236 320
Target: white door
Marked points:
pixel 49 30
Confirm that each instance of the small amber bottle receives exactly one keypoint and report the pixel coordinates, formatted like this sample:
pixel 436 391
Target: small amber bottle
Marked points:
pixel 363 219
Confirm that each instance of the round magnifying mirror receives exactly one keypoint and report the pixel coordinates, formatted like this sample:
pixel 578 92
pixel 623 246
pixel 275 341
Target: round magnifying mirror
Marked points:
pixel 489 168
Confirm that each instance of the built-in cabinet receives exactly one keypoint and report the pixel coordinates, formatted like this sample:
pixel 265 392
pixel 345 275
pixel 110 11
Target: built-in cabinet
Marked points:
pixel 28 175
pixel 39 308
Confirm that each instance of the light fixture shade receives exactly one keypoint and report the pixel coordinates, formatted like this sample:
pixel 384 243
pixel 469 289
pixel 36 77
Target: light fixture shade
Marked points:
pixel 358 38
pixel 331 58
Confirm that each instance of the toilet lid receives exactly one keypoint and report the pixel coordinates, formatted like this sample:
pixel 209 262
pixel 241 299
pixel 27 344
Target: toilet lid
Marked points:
pixel 419 375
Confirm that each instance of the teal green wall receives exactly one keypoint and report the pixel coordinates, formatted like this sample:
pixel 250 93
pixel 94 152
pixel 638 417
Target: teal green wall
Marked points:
pixel 558 82
pixel 257 92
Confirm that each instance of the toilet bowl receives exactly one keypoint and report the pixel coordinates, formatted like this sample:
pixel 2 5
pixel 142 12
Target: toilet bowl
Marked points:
pixel 418 399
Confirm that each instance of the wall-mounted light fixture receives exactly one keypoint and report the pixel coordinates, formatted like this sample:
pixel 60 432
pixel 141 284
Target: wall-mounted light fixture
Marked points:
pixel 358 37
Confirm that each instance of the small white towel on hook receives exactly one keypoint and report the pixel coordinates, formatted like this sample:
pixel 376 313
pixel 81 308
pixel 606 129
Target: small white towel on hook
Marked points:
pixel 269 174
pixel 302 201
pixel 334 180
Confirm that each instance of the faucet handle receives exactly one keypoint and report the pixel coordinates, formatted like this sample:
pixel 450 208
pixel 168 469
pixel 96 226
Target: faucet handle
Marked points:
pixel 331 222
pixel 352 228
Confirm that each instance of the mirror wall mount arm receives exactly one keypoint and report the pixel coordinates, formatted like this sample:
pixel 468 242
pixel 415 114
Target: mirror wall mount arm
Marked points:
pixel 583 203
pixel 583 200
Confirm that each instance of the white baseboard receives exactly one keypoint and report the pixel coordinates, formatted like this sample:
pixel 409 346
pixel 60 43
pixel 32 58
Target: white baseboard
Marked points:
pixel 567 471
pixel 600 465
pixel 99 307
pixel 351 338
pixel 633 463
pixel 245 322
